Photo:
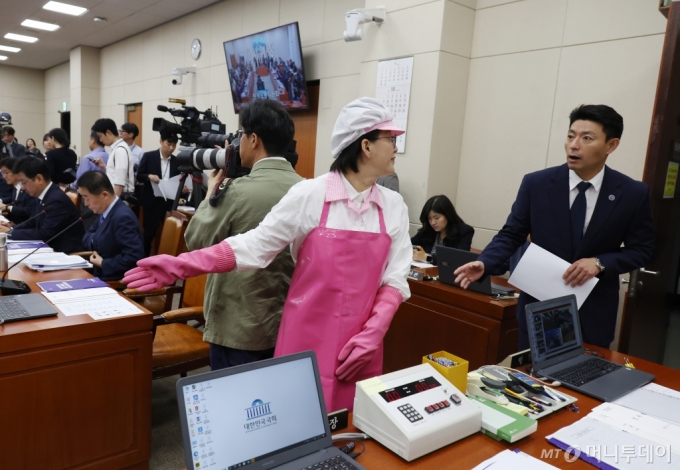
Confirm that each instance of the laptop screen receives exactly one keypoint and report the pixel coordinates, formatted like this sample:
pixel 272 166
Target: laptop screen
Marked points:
pixel 553 329
pixel 237 420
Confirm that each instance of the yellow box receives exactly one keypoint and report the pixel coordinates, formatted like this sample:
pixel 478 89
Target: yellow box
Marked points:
pixel 457 375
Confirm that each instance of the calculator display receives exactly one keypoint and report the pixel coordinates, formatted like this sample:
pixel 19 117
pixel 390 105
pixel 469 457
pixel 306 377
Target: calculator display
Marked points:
pixel 403 391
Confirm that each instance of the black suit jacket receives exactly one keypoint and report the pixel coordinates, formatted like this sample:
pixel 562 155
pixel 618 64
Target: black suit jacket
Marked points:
pixel 622 215
pixel 18 150
pixel 23 206
pixel 61 213
pixel 462 241
pixel 118 240
pixel 59 160
pixel 151 165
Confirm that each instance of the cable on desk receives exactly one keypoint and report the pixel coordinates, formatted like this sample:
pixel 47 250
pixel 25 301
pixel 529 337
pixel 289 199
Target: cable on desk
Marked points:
pixel 349 447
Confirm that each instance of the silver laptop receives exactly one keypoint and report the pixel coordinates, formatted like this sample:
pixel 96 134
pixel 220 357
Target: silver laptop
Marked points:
pixel 267 414
pixel 557 353
pixel 450 259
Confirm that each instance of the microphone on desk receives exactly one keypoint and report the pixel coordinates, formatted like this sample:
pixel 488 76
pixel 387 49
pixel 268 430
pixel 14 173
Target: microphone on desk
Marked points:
pixel 10 287
pixel 45 210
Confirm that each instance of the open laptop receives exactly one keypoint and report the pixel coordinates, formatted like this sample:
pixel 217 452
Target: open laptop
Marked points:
pixel 24 307
pixel 450 259
pixel 262 415
pixel 557 353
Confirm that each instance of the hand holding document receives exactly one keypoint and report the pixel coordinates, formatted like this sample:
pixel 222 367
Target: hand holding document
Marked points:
pixel 167 189
pixel 539 274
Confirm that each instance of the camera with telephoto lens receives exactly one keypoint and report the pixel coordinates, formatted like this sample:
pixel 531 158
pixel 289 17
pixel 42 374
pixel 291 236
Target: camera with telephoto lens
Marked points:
pixel 211 158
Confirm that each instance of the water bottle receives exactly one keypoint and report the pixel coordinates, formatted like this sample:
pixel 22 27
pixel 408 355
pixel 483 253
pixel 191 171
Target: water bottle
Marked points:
pixel 3 252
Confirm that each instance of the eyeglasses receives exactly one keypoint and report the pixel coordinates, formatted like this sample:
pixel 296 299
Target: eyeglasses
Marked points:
pixel 392 138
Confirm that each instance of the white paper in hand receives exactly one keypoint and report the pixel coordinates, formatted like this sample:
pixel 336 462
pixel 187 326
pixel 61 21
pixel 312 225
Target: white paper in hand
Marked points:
pixel 539 274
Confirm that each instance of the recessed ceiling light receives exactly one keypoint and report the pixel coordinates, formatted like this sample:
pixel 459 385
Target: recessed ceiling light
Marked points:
pixel 3 57
pixel 9 49
pixel 40 25
pixel 20 37
pixel 64 8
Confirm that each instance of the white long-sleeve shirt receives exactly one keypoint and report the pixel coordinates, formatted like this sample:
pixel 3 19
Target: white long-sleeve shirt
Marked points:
pixel 299 212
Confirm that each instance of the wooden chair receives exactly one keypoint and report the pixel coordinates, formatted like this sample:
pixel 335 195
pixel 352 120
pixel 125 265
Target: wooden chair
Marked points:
pixel 160 300
pixel 178 348
pixel 74 196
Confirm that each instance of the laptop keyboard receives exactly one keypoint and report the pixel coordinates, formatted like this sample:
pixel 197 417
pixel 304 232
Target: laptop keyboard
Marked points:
pixel 10 309
pixel 334 463
pixel 585 371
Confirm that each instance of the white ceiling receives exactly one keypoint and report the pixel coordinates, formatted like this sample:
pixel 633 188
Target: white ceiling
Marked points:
pixel 124 19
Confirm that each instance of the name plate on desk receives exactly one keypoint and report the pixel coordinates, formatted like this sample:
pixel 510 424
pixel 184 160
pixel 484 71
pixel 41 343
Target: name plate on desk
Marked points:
pixel 415 275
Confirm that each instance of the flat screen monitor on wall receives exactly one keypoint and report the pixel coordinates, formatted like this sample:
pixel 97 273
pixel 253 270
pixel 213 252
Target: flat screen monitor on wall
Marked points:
pixel 267 65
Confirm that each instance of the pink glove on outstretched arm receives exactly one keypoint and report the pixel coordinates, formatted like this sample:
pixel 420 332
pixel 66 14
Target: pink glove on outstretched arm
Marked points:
pixel 163 270
pixel 361 348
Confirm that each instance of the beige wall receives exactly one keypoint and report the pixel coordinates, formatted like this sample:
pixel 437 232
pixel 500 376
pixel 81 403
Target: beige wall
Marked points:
pixel 138 70
pixel 532 62
pixel 57 90
pixel 22 94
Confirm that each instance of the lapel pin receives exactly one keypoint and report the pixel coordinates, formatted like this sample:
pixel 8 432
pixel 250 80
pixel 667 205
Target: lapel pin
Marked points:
pixel 612 197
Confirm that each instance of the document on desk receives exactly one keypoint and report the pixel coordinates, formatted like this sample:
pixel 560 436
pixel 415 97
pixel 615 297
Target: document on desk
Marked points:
pixel 658 431
pixel 609 447
pixel 539 274
pixel 100 303
pixel 510 460
pixel 167 189
pixel 422 264
pixel 654 400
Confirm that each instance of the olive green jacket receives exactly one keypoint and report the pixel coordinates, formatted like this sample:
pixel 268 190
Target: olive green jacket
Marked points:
pixel 243 310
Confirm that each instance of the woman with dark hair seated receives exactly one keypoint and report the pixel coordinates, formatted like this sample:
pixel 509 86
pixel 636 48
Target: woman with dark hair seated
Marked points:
pixel 441 226
pixel 60 158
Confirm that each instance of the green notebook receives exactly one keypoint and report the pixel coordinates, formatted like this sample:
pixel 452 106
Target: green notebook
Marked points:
pixel 500 423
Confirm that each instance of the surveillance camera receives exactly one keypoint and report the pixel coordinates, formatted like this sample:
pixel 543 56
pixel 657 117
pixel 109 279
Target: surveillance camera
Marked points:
pixel 354 18
pixel 179 71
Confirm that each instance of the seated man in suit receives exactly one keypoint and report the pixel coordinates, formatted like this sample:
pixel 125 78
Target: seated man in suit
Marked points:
pixel 20 206
pixel 116 237
pixel 157 165
pixel 59 212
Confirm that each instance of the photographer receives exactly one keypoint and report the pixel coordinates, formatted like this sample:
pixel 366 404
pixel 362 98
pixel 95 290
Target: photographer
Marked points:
pixel 154 166
pixel 243 310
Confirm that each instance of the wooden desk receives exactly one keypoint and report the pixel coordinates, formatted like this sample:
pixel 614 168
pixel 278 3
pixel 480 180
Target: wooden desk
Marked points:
pixel 440 317
pixel 471 451
pixel 76 392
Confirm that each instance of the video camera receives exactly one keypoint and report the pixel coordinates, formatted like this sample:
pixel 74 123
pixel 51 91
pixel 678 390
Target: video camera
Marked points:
pixel 192 127
pixel 5 119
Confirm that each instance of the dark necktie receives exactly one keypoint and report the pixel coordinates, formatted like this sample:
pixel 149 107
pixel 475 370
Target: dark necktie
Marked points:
pixel 578 216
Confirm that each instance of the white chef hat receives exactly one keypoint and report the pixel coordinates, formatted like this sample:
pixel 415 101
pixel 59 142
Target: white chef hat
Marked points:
pixel 356 119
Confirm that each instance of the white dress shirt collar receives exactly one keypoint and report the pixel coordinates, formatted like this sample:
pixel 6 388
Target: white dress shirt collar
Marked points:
pixel 42 195
pixel 596 180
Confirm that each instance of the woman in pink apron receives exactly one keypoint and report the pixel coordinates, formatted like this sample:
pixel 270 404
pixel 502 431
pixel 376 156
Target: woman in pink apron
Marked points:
pixel 350 240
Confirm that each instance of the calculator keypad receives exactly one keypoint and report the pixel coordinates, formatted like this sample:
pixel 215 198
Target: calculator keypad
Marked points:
pixel 411 414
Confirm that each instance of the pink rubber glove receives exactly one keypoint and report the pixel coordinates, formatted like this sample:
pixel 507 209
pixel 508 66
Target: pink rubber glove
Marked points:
pixel 361 348
pixel 163 270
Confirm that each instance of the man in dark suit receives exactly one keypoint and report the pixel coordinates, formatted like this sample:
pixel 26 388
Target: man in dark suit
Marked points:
pixel 60 212
pixel 584 212
pixel 115 237
pixel 155 166
pixel 20 205
pixel 11 148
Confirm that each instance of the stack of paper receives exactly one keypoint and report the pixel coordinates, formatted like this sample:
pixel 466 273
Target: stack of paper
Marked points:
pixel 612 436
pixel 509 460
pixel 500 423
pixel 55 262
pixel 100 303
pixel 17 249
